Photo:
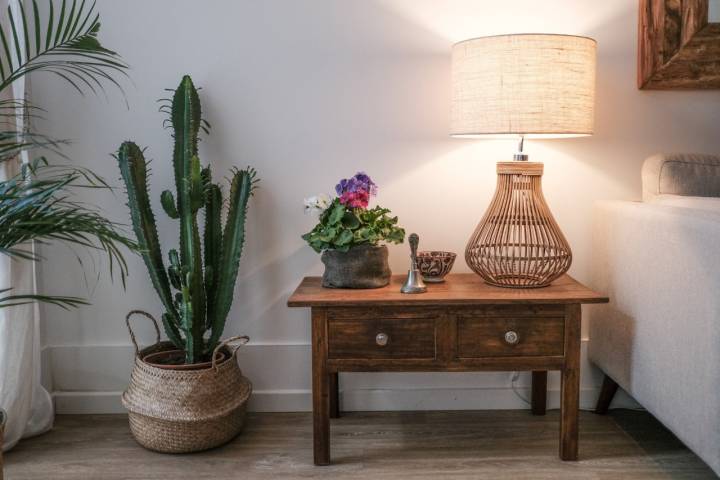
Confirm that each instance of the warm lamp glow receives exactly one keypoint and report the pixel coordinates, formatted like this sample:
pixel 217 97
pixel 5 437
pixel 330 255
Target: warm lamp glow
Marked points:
pixel 533 85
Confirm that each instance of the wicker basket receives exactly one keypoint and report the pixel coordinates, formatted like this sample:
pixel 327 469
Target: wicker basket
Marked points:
pixel 186 410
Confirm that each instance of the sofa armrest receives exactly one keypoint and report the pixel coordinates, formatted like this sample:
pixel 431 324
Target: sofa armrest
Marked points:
pixel 664 259
pixel 659 338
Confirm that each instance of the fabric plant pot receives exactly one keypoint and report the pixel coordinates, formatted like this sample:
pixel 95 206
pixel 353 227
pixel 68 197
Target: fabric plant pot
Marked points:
pixel 363 266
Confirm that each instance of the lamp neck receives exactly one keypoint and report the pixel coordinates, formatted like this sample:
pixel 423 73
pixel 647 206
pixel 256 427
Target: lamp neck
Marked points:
pixel 520 156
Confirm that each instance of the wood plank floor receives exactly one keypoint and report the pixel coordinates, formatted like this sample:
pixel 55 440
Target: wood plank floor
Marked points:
pixel 419 445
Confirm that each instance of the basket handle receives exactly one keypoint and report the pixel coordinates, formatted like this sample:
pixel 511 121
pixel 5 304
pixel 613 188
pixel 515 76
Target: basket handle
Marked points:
pixel 132 334
pixel 240 338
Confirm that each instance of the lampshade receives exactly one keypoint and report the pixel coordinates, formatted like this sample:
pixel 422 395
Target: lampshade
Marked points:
pixel 537 85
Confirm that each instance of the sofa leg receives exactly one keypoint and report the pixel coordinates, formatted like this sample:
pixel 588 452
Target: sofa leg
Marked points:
pixel 607 392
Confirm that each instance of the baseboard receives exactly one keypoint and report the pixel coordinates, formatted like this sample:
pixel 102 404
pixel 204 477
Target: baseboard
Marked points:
pixel 89 379
pixel 360 400
pixel 74 403
pixel 77 403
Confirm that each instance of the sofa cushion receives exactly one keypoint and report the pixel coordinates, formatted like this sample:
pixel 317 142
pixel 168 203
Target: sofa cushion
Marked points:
pixel 688 174
pixel 708 204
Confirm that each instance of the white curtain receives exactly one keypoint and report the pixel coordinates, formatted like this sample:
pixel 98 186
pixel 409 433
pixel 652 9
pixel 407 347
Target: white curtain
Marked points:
pixel 27 403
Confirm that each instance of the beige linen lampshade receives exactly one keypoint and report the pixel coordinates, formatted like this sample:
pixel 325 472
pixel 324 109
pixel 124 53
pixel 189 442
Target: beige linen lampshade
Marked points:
pixel 532 85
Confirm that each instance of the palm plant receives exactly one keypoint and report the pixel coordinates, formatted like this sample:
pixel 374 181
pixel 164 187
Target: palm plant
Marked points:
pixel 37 204
pixel 195 314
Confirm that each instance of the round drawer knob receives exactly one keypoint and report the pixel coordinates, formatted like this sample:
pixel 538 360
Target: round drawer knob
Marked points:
pixel 511 337
pixel 382 339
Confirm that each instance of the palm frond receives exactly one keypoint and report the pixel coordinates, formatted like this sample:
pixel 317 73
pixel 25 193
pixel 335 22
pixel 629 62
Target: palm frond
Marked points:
pixel 63 302
pixel 14 142
pixel 38 205
pixel 65 45
pixel 12 108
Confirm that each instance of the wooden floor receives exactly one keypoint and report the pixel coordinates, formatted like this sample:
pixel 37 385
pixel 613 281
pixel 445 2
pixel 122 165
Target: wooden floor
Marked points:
pixel 434 445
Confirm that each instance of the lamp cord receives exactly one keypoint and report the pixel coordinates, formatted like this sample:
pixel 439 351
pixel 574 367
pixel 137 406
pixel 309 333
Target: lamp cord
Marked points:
pixel 516 376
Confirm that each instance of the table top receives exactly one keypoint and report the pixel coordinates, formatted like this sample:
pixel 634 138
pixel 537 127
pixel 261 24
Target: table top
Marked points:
pixel 458 289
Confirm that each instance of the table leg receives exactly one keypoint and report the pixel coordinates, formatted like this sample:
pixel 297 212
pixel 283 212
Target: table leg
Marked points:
pixel 334 396
pixel 321 388
pixel 539 392
pixel 570 389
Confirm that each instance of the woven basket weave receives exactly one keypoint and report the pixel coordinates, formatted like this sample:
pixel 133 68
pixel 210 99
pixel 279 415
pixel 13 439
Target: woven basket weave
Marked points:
pixel 181 411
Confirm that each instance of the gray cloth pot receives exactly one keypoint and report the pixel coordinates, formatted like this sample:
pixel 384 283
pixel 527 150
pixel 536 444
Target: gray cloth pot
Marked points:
pixel 363 266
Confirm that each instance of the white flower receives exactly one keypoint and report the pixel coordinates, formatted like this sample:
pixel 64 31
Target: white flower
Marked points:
pixel 317 204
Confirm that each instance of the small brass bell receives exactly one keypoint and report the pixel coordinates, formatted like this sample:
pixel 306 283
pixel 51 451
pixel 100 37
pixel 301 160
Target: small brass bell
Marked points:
pixel 414 282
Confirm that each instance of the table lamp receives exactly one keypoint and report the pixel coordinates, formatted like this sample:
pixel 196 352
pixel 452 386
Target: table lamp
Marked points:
pixel 523 86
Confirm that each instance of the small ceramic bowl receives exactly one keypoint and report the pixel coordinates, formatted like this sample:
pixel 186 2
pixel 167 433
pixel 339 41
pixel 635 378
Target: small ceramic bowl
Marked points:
pixel 435 265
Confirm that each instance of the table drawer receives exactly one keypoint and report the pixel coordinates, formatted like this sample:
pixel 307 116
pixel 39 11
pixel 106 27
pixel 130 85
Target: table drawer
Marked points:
pixel 370 338
pixel 510 336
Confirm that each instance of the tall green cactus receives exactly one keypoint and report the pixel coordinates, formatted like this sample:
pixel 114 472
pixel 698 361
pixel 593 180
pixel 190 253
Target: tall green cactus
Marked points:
pixel 202 276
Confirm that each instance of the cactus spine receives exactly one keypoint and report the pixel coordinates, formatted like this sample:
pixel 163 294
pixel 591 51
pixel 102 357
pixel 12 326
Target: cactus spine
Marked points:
pixel 202 274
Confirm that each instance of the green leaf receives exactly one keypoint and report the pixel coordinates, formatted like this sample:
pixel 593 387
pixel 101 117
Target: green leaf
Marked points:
pixel 6 49
pixel 327 234
pixel 36 205
pixel 50 25
pixel 16 40
pixel 36 22
pixel 66 303
pixel 26 32
pixel 336 214
pixel 71 49
pixel 341 228
pixel 61 23
pixel 345 238
pixel 350 221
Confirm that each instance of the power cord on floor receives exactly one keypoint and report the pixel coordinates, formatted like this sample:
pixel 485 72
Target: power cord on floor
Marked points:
pixel 516 376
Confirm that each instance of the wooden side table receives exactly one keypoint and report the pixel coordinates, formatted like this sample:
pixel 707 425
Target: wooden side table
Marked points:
pixel 462 325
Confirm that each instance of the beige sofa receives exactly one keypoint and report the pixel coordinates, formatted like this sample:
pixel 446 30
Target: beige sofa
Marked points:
pixel 659 261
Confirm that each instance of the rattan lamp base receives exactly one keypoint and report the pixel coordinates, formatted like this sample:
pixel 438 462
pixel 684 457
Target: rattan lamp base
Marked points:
pixel 518 243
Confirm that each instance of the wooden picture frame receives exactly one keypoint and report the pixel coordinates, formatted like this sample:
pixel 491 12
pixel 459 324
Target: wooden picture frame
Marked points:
pixel 677 46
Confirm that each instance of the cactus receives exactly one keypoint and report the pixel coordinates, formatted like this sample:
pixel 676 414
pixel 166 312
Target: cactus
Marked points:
pixel 196 289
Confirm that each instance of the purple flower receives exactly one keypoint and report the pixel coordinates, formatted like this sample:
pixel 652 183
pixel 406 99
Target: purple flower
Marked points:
pixel 340 187
pixel 360 184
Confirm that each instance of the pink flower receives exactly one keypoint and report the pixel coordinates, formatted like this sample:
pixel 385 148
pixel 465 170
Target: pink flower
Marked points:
pixel 357 199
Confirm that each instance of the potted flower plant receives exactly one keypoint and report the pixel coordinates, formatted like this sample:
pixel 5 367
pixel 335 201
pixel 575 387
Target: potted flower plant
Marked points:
pixel 188 394
pixel 349 235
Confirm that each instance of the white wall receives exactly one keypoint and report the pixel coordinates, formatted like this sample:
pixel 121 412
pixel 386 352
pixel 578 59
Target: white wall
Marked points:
pixel 309 91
